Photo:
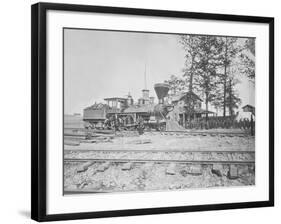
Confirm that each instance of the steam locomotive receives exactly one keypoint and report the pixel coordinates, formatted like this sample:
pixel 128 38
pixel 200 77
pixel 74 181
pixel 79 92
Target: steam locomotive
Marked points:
pixel 123 114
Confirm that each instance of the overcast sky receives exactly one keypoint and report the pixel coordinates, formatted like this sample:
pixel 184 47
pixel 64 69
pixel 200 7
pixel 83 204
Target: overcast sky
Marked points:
pixel 100 64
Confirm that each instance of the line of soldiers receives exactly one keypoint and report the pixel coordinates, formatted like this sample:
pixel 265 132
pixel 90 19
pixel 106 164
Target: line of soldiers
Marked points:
pixel 244 124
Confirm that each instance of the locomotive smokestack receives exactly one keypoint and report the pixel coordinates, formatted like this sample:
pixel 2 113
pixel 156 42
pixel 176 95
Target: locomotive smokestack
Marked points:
pixel 161 90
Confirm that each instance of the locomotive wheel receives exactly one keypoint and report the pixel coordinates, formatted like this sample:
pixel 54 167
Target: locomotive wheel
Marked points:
pixel 162 127
pixel 147 128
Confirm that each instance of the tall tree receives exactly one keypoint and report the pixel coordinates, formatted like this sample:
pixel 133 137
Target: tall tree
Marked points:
pixel 232 99
pixel 247 58
pixel 250 45
pixel 210 69
pixel 209 57
pixel 218 100
pixel 190 45
pixel 230 51
pixel 176 84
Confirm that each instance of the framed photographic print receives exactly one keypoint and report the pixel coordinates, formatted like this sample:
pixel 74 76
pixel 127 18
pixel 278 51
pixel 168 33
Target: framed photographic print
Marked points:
pixel 139 111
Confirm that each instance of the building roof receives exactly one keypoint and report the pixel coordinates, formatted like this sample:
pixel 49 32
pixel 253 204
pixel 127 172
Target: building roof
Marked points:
pixel 249 106
pixel 184 94
pixel 177 97
pixel 202 111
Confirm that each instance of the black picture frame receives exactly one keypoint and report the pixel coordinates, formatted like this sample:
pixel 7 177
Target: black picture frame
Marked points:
pixel 39 108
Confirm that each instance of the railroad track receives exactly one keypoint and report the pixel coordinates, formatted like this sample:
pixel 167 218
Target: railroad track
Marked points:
pixel 231 164
pixel 160 156
pixel 204 150
pixel 162 161
pixel 84 132
pixel 203 133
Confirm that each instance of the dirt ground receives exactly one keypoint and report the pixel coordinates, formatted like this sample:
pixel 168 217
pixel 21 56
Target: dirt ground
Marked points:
pixel 156 141
pixel 117 176
pixel 151 176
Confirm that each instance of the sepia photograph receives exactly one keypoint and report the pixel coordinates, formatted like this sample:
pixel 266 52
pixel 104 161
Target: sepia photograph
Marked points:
pixel 146 111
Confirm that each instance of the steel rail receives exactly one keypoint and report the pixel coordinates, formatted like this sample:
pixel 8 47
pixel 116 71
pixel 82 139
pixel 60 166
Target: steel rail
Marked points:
pixel 87 191
pixel 158 150
pixel 181 132
pixel 161 161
